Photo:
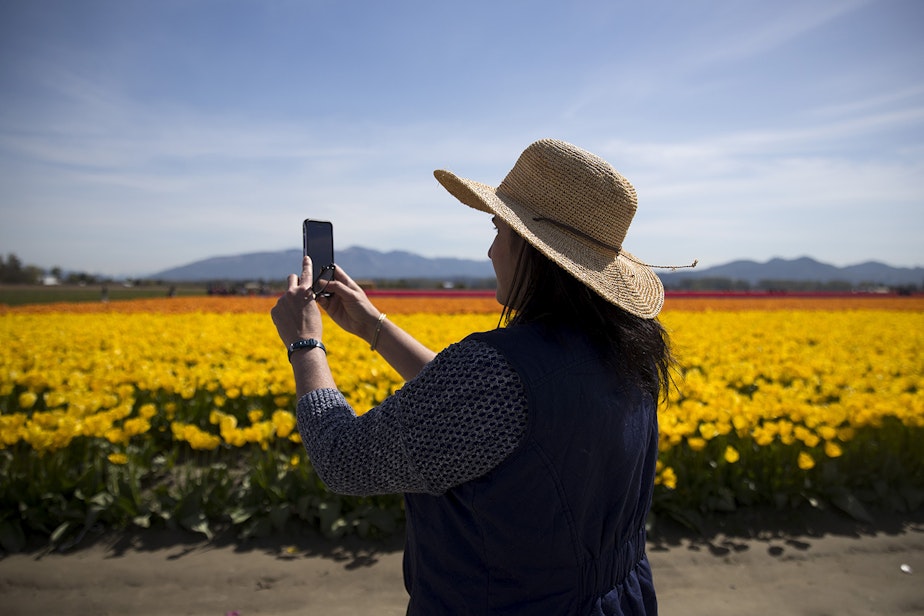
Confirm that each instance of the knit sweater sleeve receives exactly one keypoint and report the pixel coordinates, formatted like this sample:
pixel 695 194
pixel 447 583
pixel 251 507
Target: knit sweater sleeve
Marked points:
pixel 458 419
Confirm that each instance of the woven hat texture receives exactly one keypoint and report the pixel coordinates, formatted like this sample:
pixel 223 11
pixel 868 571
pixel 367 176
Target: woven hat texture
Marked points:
pixel 575 208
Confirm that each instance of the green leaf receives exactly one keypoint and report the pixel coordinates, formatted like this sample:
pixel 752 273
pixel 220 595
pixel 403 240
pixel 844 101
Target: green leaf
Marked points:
pixel 383 519
pixel 197 523
pixel 127 506
pixel 337 529
pixel 723 501
pixel 328 513
pixel 101 501
pixel 279 515
pixel 11 536
pixel 851 505
pixel 261 527
pixel 303 505
pixel 686 517
pixel 240 515
pixel 59 533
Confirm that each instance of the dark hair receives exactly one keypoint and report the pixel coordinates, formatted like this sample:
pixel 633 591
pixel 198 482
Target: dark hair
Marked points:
pixel 637 348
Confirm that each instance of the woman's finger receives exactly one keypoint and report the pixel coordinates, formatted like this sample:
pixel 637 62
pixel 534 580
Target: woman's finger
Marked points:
pixel 306 269
pixel 344 278
pixel 334 287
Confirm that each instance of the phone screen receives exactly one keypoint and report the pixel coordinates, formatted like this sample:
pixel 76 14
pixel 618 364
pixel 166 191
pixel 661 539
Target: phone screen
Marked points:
pixel 318 241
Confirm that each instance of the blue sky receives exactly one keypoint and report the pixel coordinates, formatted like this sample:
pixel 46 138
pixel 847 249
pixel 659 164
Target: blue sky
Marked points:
pixel 137 136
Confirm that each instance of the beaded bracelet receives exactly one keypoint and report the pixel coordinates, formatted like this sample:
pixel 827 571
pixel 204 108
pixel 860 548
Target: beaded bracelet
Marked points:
pixel 378 330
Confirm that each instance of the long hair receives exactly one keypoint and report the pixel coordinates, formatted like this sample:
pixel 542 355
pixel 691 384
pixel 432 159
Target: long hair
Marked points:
pixel 636 348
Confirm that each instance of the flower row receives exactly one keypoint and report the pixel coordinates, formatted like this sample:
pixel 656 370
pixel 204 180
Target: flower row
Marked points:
pixel 768 406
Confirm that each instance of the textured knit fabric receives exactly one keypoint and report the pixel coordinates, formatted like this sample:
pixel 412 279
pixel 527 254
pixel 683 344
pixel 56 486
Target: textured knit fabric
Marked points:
pixel 559 526
pixel 461 416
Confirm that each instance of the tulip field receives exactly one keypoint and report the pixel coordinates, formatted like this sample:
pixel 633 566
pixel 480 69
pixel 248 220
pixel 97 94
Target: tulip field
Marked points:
pixel 178 412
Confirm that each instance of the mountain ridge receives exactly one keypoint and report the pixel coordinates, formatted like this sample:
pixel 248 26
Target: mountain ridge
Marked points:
pixel 368 264
pixel 804 269
pixel 359 262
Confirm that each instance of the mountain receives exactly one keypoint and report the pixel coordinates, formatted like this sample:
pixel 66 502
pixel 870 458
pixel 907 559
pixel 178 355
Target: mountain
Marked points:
pixel 803 269
pixel 366 264
pixel 360 263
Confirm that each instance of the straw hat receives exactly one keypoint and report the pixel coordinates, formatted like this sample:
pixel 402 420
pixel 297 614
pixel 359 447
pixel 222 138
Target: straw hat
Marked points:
pixel 575 208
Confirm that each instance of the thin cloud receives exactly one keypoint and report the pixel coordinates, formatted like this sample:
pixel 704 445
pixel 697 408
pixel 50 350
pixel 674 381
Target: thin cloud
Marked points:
pixel 758 28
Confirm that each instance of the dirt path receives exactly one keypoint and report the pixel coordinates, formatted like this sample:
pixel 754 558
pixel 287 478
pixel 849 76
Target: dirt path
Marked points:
pixel 821 565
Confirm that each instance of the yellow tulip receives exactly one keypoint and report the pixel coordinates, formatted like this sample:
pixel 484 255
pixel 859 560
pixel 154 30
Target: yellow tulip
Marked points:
pixel 284 422
pixel 833 450
pixel 805 461
pixel 27 400
pixel 118 458
pixel 731 455
pixel 696 443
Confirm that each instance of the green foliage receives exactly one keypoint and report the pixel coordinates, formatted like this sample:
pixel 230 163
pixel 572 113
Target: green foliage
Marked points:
pixel 19 295
pixel 62 495
pixel 880 468
pixel 257 492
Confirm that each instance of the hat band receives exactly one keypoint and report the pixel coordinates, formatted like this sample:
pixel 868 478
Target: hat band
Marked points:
pixel 617 249
pixel 579 233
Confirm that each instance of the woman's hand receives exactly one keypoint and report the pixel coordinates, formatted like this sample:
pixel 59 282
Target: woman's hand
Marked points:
pixel 348 306
pixel 296 313
pixel 296 316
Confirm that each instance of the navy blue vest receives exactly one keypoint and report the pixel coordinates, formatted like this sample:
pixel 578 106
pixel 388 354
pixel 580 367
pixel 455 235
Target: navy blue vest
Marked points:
pixel 559 526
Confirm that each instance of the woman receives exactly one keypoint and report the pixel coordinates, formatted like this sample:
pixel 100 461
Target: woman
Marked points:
pixel 526 454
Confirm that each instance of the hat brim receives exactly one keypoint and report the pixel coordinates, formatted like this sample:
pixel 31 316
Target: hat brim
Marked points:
pixel 616 276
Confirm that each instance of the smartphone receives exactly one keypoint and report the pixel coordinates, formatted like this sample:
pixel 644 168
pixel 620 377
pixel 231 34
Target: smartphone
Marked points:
pixel 318 243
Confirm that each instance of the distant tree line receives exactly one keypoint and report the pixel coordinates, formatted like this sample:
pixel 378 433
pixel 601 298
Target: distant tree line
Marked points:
pixel 14 271
pixel 773 285
pixel 458 283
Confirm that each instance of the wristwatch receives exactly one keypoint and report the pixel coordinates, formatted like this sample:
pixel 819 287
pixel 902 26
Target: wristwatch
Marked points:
pixel 307 343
